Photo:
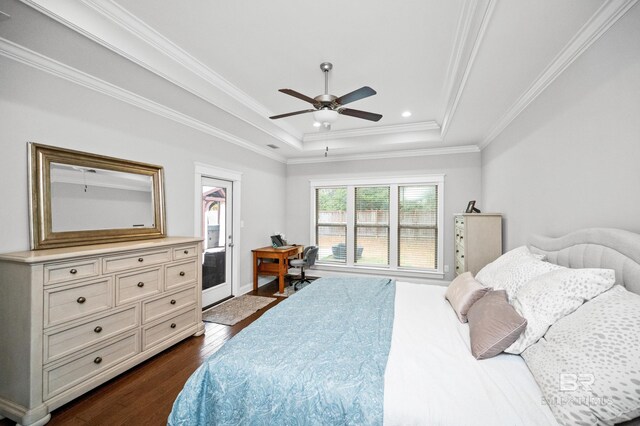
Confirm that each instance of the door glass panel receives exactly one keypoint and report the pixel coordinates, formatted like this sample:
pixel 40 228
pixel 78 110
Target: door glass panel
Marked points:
pixel 214 210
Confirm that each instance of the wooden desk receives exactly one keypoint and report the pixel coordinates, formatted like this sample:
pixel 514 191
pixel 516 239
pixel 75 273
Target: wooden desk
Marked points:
pixel 278 269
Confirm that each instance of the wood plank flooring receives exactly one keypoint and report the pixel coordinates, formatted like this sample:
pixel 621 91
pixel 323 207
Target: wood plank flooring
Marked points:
pixel 144 395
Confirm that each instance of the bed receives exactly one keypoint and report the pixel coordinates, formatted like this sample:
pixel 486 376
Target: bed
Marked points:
pixel 376 351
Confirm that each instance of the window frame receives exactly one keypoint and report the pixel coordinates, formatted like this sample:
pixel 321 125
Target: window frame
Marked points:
pixel 394 183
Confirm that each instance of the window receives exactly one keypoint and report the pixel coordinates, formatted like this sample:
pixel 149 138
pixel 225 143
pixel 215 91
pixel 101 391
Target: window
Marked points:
pixel 418 226
pixel 331 224
pixel 372 223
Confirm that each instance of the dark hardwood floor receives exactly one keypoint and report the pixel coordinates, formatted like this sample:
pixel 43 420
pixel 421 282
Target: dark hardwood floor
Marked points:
pixel 144 395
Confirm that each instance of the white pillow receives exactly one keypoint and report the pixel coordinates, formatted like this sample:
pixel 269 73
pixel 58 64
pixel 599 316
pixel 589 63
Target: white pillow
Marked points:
pixel 517 253
pixel 549 297
pixel 588 363
pixel 513 269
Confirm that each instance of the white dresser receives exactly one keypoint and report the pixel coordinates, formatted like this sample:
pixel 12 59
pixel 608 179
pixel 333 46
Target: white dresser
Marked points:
pixel 73 318
pixel 478 240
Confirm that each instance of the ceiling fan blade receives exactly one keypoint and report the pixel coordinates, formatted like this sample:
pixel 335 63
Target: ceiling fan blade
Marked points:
pixel 289 114
pixel 371 116
pixel 299 95
pixel 361 93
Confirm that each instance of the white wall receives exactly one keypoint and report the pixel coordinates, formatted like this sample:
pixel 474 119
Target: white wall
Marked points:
pixel 572 159
pixel 35 106
pixel 462 183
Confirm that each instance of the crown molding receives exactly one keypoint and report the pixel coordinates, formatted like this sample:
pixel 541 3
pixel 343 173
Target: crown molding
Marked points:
pixel 113 27
pixel 592 30
pixel 370 131
pixel 38 61
pixel 465 149
pixel 473 15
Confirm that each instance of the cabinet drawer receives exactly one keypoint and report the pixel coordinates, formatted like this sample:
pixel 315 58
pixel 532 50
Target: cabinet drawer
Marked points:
pixel 186 252
pixel 460 268
pixel 179 274
pixel 137 285
pixel 61 272
pixel 69 373
pixel 157 308
pixel 155 334
pixel 69 340
pixel 138 260
pixel 69 302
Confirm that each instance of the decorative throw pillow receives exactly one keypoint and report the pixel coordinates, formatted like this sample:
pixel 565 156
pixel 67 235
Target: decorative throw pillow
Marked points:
pixel 548 297
pixel 493 325
pixel 588 363
pixel 515 273
pixel 463 292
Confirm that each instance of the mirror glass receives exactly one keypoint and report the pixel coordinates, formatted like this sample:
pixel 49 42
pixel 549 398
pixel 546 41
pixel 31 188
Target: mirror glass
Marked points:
pixel 78 198
pixel 85 198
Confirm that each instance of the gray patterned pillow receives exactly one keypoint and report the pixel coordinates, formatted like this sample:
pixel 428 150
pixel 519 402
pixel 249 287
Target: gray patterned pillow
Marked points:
pixel 588 363
pixel 548 297
pixel 487 273
pixel 514 272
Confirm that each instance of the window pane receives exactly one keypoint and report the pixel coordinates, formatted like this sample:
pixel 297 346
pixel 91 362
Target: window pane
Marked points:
pixel 372 240
pixel 372 245
pixel 331 224
pixel 418 248
pixel 331 206
pixel 418 205
pixel 417 220
pixel 331 242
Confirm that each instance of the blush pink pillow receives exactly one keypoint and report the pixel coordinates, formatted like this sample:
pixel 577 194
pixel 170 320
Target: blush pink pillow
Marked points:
pixel 463 292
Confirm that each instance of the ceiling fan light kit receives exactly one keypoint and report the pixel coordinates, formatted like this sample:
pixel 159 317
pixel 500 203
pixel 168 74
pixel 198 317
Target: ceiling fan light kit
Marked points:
pixel 327 107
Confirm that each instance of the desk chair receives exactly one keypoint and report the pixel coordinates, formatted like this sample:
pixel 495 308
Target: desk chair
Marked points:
pixel 308 259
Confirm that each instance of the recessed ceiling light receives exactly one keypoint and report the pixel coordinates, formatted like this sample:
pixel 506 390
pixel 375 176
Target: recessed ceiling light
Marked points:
pixel 317 124
pixel 406 114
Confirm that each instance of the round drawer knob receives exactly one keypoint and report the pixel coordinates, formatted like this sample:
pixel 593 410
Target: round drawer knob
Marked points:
pixel 98 360
pixel 81 300
pixel 462 256
pixel 173 301
pixel 73 271
pixel 140 284
pixel 98 329
pixel 186 252
pixel 182 273
pixel 173 325
pixel 140 259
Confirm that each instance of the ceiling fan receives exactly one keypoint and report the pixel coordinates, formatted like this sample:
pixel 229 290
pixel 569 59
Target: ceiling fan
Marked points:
pixel 327 107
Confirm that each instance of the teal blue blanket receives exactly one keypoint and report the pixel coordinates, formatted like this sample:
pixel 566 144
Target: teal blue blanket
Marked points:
pixel 317 358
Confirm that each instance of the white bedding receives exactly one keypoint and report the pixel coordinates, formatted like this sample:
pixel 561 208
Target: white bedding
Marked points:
pixel 432 378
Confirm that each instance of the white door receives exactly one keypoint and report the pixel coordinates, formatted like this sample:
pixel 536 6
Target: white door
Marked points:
pixel 218 240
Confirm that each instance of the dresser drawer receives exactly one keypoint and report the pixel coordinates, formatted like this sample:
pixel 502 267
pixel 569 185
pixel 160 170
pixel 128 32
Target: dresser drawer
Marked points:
pixel 78 269
pixel 67 374
pixel 179 274
pixel 157 308
pixel 147 258
pixel 134 286
pixel 460 267
pixel 155 334
pixel 186 252
pixel 65 303
pixel 66 341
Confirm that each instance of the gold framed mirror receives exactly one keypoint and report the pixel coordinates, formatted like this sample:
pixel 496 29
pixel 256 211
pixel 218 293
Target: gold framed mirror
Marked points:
pixel 78 198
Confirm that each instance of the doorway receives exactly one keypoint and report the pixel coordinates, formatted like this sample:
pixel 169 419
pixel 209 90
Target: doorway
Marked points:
pixel 217 233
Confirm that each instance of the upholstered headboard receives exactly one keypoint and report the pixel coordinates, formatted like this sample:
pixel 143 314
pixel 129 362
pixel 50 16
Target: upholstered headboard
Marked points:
pixel 596 248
